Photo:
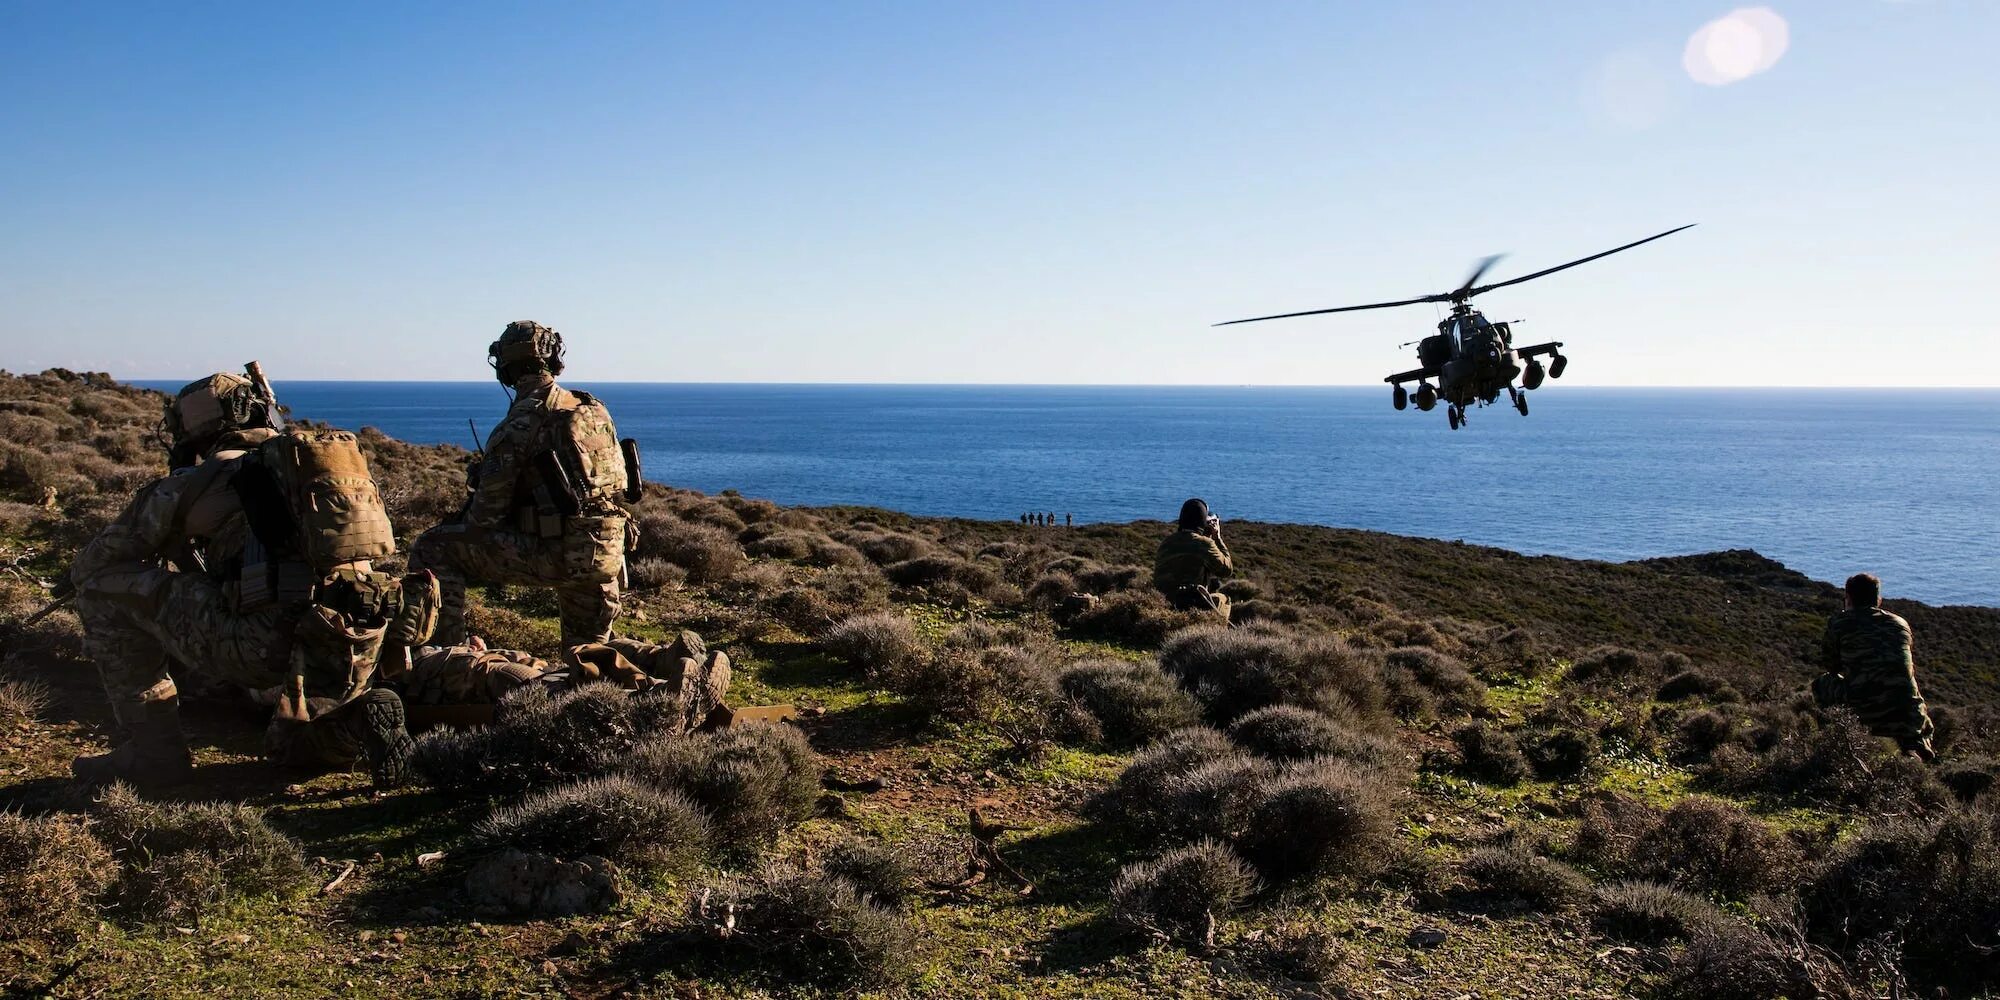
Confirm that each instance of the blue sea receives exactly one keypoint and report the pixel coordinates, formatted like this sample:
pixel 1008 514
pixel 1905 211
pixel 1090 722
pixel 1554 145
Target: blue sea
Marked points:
pixel 1902 483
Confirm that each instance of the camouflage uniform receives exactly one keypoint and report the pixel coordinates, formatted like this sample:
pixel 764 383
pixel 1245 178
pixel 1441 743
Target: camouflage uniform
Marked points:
pixel 686 670
pixel 143 602
pixel 466 675
pixel 508 537
pixel 1189 564
pixel 1866 653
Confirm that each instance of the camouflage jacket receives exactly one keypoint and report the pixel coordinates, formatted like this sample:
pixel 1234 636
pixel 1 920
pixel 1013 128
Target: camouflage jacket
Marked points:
pixel 193 515
pixel 1870 648
pixel 506 477
pixel 1190 559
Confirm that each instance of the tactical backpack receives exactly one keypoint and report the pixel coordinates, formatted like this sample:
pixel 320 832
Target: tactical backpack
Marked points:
pixel 580 459
pixel 336 512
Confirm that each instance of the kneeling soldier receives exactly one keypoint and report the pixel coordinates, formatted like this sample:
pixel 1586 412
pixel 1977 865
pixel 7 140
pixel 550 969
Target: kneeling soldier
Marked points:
pixel 250 564
pixel 543 508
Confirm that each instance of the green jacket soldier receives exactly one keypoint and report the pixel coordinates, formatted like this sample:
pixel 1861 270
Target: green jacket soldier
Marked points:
pixel 1866 653
pixel 1193 561
pixel 250 565
pixel 543 508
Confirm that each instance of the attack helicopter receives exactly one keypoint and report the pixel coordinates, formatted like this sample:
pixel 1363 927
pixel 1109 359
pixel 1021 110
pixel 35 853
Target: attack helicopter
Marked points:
pixel 1472 359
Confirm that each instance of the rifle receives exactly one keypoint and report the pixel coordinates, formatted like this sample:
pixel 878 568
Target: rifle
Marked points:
pixel 472 471
pixel 63 593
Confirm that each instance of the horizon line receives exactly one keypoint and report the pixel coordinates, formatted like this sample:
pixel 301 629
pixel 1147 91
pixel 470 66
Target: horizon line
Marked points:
pixel 1081 385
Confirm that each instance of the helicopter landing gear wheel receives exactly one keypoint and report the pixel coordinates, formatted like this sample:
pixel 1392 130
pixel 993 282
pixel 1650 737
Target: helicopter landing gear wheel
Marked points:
pixel 1452 416
pixel 1521 402
pixel 1400 398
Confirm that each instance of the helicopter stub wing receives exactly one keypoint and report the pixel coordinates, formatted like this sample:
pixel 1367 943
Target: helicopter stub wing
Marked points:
pixel 1549 348
pixel 1412 376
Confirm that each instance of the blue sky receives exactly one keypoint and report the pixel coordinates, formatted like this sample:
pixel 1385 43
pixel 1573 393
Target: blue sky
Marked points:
pixel 929 192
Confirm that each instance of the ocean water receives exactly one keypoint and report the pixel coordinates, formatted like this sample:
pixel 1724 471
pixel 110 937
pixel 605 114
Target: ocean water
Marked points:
pixel 1902 483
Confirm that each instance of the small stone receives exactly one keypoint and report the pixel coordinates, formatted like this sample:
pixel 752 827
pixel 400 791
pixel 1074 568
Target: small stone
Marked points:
pixel 1426 937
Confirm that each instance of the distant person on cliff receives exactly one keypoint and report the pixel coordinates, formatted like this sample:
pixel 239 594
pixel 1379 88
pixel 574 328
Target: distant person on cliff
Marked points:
pixel 1193 561
pixel 1866 653
pixel 252 564
pixel 542 509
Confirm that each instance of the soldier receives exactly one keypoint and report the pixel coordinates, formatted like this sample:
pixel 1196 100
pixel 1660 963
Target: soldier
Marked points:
pixel 1866 653
pixel 542 510
pixel 251 565
pixel 685 670
pixel 1193 561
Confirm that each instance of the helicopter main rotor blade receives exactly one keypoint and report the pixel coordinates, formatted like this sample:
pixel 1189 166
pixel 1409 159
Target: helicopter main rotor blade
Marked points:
pixel 1478 272
pixel 1341 309
pixel 1469 292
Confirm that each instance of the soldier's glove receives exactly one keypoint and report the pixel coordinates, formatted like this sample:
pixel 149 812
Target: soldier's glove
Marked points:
pixel 416 612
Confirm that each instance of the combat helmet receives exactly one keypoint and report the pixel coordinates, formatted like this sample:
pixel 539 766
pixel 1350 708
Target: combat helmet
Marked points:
pixel 206 409
pixel 524 346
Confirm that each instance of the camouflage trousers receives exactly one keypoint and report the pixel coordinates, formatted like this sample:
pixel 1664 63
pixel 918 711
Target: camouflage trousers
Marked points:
pixel 582 566
pixel 1891 711
pixel 462 675
pixel 152 616
pixel 1199 598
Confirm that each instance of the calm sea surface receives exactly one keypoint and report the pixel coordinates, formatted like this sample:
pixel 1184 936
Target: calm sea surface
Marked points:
pixel 1903 483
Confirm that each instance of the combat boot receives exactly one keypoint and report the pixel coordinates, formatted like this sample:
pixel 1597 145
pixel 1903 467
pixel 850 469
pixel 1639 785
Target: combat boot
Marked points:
pixel 152 752
pixel 378 720
pixel 702 687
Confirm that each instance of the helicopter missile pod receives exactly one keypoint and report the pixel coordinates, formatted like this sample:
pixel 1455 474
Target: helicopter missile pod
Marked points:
pixel 1472 360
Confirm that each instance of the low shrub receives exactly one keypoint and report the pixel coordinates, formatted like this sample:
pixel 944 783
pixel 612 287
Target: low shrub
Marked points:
pixel 1214 800
pixel 22 701
pixel 707 552
pixel 812 929
pixel 1734 961
pixel 52 872
pixel 180 860
pixel 1321 819
pixel 1139 796
pixel 1423 682
pixel 1184 894
pixel 1701 844
pixel 880 644
pixel 884 547
pixel 1839 764
pixel 1695 684
pixel 1491 754
pixel 1235 671
pixel 1132 702
pixel 948 577
pixel 1932 883
pixel 1651 913
pixel 890 873
pixel 637 825
pixel 1138 618
pixel 1291 733
pixel 1300 952
pixel 1560 753
pixel 539 739
pixel 754 781
pixel 1519 875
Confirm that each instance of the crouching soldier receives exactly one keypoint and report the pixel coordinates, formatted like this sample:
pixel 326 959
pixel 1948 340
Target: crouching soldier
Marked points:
pixel 543 507
pixel 251 564
pixel 1866 653
pixel 1193 562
